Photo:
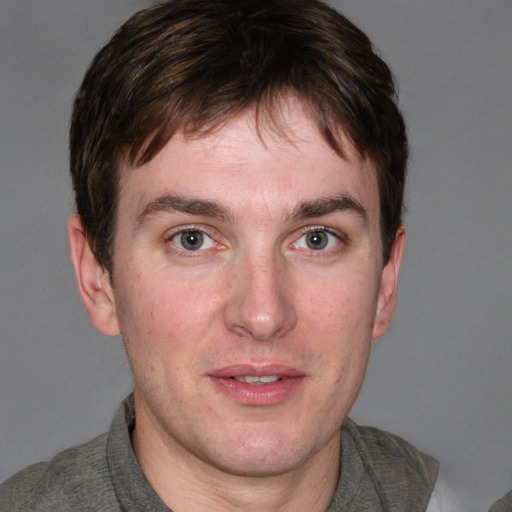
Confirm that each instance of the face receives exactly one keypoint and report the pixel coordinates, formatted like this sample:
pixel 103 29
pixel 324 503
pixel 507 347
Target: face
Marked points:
pixel 247 285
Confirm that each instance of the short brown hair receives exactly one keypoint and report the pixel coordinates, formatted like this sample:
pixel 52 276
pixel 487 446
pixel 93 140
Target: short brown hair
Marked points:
pixel 192 65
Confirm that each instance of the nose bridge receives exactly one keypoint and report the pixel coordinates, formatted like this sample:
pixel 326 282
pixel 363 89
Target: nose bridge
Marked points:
pixel 261 303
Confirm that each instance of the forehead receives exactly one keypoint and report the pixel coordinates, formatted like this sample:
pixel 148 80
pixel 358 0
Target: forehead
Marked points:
pixel 271 161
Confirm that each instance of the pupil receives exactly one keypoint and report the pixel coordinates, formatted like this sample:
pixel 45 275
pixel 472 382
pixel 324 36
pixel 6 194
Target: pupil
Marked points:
pixel 191 240
pixel 316 240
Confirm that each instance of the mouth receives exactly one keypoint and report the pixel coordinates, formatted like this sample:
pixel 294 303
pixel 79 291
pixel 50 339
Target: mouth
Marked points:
pixel 256 380
pixel 250 385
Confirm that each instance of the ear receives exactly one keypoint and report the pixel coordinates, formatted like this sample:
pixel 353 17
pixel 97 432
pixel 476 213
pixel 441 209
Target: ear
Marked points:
pixel 93 280
pixel 388 291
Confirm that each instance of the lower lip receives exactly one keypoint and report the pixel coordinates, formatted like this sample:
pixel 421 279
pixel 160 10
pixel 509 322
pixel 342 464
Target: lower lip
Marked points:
pixel 271 393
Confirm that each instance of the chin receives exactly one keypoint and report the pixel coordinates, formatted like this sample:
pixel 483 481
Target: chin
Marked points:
pixel 264 453
pixel 273 464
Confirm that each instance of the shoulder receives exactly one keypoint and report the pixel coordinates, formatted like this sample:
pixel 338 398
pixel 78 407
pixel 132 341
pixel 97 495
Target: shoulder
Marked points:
pixel 15 490
pixel 384 450
pixel 59 483
pixel 398 475
pixel 504 504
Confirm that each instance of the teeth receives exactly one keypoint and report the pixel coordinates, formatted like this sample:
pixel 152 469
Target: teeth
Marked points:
pixel 248 379
pixel 252 379
pixel 269 378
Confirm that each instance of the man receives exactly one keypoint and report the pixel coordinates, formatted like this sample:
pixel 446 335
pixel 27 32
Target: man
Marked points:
pixel 238 169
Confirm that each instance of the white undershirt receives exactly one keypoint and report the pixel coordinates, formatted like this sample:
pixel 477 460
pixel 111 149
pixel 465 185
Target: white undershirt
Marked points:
pixel 444 499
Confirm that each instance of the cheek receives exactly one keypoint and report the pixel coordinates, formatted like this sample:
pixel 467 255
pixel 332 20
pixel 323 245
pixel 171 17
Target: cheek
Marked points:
pixel 151 330
pixel 344 304
pixel 339 316
pixel 158 310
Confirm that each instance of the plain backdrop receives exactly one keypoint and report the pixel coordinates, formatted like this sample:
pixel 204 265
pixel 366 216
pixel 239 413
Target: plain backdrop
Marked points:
pixel 441 377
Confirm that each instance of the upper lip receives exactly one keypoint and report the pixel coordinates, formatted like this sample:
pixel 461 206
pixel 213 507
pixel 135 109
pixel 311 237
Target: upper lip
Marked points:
pixel 238 370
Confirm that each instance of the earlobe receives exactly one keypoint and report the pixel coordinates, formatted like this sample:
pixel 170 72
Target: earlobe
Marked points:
pixel 388 291
pixel 93 280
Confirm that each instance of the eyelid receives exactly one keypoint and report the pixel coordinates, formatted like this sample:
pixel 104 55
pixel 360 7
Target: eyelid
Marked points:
pixel 205 230
pixel 340 236
pixel 334 232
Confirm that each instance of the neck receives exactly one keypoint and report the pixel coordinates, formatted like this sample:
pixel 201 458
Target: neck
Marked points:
pixel 185 482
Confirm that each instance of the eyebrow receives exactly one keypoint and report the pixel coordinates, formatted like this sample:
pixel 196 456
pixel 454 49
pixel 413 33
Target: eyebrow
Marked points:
pixel 328 205
pixel 192 206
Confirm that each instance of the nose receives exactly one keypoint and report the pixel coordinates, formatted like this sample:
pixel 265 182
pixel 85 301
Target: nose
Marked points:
pixel 260 305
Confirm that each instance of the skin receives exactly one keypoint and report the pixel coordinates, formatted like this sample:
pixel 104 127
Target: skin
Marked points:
pixel 258 292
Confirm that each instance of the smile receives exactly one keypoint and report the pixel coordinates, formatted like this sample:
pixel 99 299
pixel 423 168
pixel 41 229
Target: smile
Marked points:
pixel 258 385
pixel 258 380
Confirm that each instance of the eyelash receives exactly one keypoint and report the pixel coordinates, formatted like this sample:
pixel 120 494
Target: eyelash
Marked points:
pixel 341 239
pixel 190 229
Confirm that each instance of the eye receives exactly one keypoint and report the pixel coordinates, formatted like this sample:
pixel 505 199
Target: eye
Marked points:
pixel 192 240
pixel 318 240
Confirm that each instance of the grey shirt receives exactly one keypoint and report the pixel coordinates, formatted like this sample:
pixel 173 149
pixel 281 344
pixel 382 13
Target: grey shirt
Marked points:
pixel 379 472
pixel 504 504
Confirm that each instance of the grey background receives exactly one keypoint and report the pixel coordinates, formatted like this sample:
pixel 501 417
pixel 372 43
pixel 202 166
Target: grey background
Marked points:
pixel 440 378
